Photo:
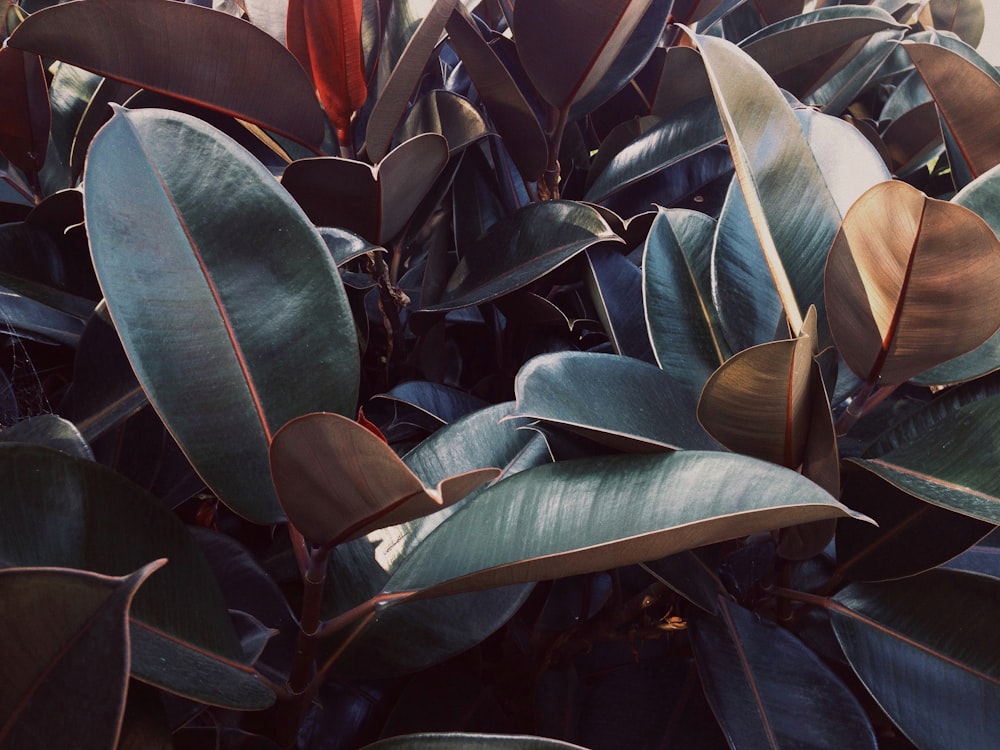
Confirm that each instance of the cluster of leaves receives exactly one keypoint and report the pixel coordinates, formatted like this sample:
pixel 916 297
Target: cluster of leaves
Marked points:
pixel 376 370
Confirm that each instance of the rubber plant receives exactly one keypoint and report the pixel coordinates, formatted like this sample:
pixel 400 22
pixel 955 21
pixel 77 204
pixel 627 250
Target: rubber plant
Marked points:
pixel 492 374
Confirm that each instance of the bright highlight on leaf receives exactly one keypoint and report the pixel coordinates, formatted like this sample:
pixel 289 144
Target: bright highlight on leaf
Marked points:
pixel 910 283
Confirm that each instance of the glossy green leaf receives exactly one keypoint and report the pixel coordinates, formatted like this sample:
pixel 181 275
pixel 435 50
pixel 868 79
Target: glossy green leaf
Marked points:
pixel 57 624
pixel 338 481
pixel 677 290
pixel 199 252
pixel 912 535
pixel 63 512
pixel 952 464
pixel 593 514
pixel 965 18
pixel 803 52
pixel 908 283
pixel 762 681
pixel 983 197
pixel 24 98
pixel 508 109
pixel 394 97
pixel 945 74
pixel 620 402
pixel 567 52
pixel 415 635
pixel 615 285
pixel 184 50
pixel 521 248
pixel 374 202
pixel 465 741
pixel 925 649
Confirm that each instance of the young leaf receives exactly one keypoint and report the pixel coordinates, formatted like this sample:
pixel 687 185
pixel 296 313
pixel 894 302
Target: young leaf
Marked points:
pixel 225 297
pixel 593 514
pixel 908 283
pixel 325 37
pixel 938 682
pixel 761 682
pixel 64 644
pixel 181 49
pixel 337 481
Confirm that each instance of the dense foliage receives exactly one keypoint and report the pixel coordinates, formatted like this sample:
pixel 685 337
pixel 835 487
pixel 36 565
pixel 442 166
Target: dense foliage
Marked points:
pixel 620 373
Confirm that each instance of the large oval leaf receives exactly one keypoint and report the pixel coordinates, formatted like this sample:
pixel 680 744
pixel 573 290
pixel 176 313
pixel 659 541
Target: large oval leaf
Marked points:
pixel 593 514
pixel 181 49
pixel 620 402
pixel 521 248
pixel 908 283
pixel 938 679
pixel 225 296
pixel 64 646
pixel 63 512
pixel 565 52
pixel 762 681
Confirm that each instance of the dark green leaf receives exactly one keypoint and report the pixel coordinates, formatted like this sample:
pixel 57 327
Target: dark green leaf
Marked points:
pixel 62 512
pixel 925 648
pixel 461 741
pixel 50 431
pixel 199 252
pixel 64 646
pixel 594 514
pixel 763 684
pixel 617 401
pixel 615 284
pixel 24 98
pixel 448 115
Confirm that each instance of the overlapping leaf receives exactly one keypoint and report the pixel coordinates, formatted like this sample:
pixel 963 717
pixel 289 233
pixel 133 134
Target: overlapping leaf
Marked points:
pixel 56 625
pixel 938 682
pixel 184 50
pixel 225 297
pixel 24 98
pixel 593 514
pixel 908 283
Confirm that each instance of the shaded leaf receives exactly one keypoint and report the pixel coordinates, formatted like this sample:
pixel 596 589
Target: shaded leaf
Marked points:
pixel 615 284
pixel 620 402
pixel 338 481
pixel 762 683
pixel 374 202
pixel 907 283
pixel 24 98
pixel 394 97
pixel 945 73
pixel 52 432
pixel 181 49
pixel 465 741
pixel 225 264
pixel 567 52
pixel 521 248
pixel 447 114
pixel 939 683
pixel 594 514
pixel 63 512
pixel 677 290
pixel 56 625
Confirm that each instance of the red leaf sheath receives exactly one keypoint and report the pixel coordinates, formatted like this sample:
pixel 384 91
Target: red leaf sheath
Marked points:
pixel 325 37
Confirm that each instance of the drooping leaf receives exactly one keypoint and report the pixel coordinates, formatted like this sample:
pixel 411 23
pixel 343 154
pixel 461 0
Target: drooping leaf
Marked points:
pixel 184 50
pixel 24 98
pixel 337 481
pixel 393 98
pixel 938 681
pixel 64 644
pixel 762 682
pixel 325 38
pixel 945 73
pixel 220 332
pixel 593 514
pixel 465 741
pixel 374 202
pixel 951 464
pixel 907 283
pixel 63 512
pixel 912 535
pixel 677 289
pixel 803 52
pixel 521 248
pixel 566 52
pixel 620 402
pixel 508 109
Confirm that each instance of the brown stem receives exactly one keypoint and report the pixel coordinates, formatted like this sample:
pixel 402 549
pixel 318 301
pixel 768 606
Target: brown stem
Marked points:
pixel 312 598
pixel 548 187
